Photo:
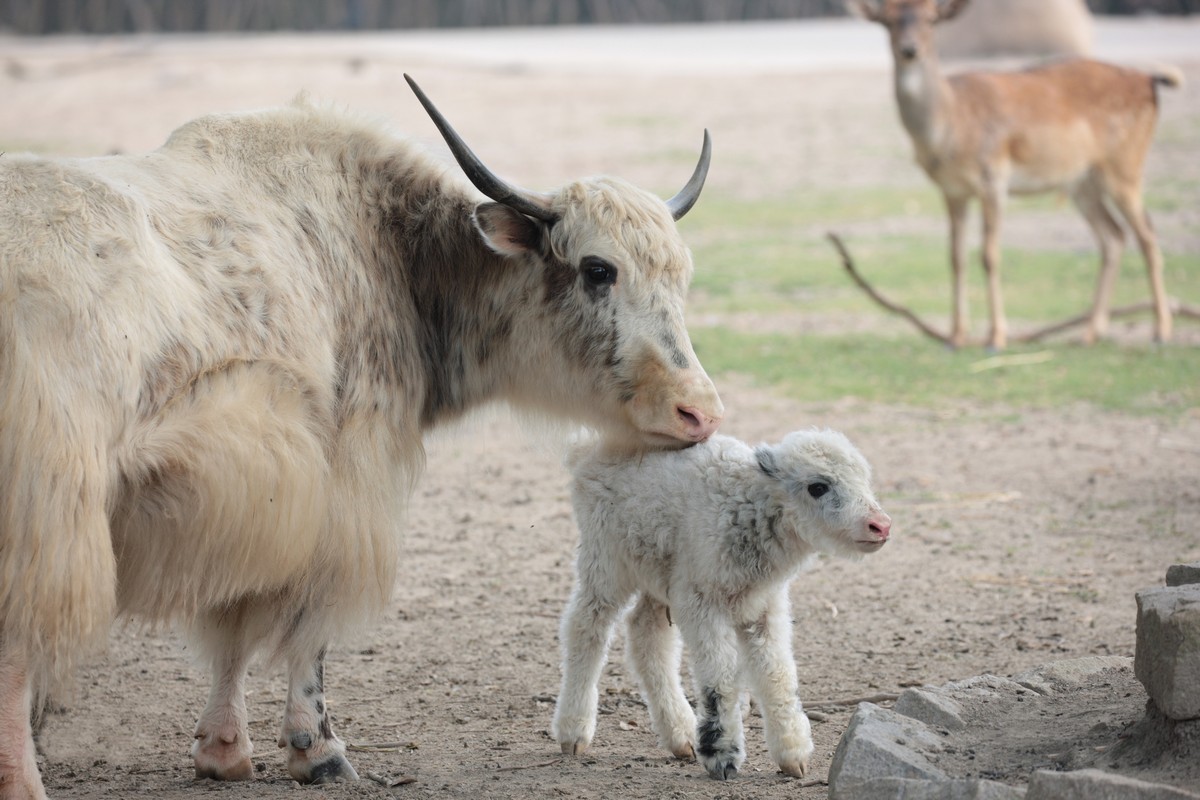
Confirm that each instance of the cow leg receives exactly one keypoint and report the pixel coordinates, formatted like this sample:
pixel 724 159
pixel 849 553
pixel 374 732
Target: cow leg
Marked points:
pixel 315 753
pixel 19 779
pixel 222 747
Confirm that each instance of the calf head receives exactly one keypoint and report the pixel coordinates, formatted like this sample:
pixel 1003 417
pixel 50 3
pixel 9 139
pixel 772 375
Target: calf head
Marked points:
pixel 606 342
pixel 826 487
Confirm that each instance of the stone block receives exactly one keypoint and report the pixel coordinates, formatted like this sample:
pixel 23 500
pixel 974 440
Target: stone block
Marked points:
pixel 915 789
pixel 1167 659
pixel 879 743
pixel 1183 574
pixel 1094 784
pixel 934 708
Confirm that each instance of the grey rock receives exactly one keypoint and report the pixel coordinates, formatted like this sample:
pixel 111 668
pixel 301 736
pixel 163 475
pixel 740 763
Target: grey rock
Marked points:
pixel 880 743
pixel 915 789
pixel 1183 574
pixel 1167 660
pixel 935 708
pixel 1094 784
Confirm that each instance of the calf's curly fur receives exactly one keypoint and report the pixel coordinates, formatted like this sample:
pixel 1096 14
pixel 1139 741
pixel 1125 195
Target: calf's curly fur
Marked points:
pixel 708 540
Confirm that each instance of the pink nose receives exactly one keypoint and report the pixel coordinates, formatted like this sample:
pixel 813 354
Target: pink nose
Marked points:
pixel 697 425
pixel 880 525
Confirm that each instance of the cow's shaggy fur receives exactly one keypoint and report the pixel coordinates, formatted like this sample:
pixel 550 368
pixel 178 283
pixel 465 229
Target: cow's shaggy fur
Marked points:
pixel 708 539
pixel 217 361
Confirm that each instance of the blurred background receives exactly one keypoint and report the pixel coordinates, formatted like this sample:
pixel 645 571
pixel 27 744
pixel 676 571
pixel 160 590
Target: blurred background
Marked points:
pixel 144 16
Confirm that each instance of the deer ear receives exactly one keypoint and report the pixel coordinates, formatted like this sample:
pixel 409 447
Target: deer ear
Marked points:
pixel 508 232
pixel 949 9
pixel 866 9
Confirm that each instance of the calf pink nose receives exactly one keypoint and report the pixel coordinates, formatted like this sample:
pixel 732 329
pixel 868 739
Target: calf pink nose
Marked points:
pixel 697 425
pixel 880 525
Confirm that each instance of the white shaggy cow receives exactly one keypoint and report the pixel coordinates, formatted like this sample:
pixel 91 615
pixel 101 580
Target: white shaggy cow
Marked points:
pixel 217 361
pixel 708 539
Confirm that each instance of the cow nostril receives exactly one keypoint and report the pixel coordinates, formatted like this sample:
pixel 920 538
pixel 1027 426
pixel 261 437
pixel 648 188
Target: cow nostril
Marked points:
pixel 690 419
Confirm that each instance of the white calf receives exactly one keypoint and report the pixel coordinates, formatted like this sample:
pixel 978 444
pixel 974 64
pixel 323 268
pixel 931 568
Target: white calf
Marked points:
pixel 708 538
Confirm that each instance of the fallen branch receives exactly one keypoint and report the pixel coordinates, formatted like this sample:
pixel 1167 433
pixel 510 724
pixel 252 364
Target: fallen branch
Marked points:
pixel 389 783
pixel 383 747
pixel 538 765
pixel 891 306
pixel 1178 307
pixel 880 697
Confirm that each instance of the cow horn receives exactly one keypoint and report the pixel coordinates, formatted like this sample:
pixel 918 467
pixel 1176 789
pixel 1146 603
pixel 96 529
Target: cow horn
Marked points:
pixel 529 203
pixel 682 203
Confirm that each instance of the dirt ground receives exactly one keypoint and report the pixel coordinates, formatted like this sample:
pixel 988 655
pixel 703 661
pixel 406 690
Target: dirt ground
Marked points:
pixel 1021 535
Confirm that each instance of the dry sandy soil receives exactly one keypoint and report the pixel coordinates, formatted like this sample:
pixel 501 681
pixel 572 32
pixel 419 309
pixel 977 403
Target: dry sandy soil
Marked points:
pixel 1021 535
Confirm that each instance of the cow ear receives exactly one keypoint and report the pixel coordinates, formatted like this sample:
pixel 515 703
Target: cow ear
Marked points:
pixel 508 232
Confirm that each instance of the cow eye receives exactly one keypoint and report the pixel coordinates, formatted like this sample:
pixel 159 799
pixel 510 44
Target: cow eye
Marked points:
pixel 598 272
pixel 817 489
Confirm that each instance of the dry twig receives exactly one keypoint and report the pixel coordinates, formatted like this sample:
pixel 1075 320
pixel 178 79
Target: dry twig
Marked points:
pixel 1178 307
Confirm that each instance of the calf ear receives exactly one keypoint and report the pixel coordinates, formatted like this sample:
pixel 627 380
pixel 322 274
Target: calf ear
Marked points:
pixel 508 232
pixel 766 460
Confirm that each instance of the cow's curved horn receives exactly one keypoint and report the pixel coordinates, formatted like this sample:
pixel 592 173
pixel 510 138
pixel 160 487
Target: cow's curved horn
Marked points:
pixel 529 203
pixel 682 203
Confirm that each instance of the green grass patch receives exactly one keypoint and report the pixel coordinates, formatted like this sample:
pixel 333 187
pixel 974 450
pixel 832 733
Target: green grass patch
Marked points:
pixel 763 259
pixel 915 371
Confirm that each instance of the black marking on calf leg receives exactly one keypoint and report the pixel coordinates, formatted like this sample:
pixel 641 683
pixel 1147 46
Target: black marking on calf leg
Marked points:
pixel 717 752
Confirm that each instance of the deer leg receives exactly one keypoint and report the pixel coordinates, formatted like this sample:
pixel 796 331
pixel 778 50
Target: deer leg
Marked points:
pixel 956 209
pixel 19 778
pixel 655 652
pixel 1110 239
pixel 993 207
pixel 1128 199
pixel 222 746
pixel 315 754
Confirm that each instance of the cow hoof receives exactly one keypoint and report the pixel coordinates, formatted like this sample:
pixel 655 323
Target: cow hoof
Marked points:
pixel 333 769
pixel 223 758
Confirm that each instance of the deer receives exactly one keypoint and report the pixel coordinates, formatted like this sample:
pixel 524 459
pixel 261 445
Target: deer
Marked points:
pixel 1077 126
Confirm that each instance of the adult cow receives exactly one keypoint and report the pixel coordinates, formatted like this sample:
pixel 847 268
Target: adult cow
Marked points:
pixel 217 362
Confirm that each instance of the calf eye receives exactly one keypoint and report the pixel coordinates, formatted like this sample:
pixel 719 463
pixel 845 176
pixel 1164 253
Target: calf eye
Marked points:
pixel 817 489
pixel 598 272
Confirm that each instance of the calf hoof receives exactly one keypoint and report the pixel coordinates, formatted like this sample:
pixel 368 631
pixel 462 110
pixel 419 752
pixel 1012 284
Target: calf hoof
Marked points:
pixel 723 772
pixel 574 747
pixel 797 768
pixel 721 767
pixel 684 751
pixel 222 757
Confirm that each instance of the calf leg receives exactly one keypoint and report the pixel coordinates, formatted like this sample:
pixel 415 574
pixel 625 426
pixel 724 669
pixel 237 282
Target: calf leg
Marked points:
pixel 315 754
pixel 585 633
pixel 655 651
pixel 19 779
pixel 720 742
pixel 767 644
pixel 222 746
